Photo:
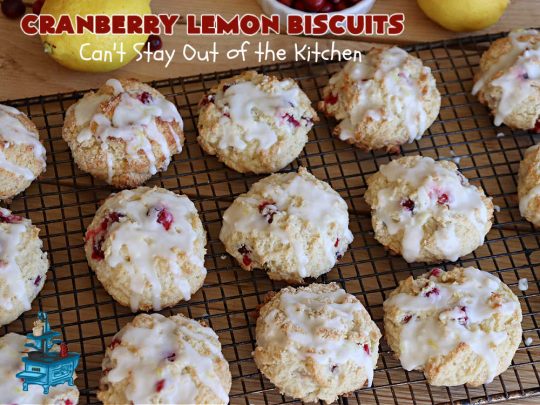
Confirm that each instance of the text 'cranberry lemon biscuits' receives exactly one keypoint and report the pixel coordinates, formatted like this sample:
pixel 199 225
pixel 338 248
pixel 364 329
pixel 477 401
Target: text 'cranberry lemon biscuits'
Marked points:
pixel 12 349
pixel 124 133
pixel 159 360
pixel 529 185
pixel 426 210
pixel 255 123
pixel 316 342
pixel 22 156
pixel 290 225
pixel 387 99
pixel 147 248
pixel 458 327
pixel 23 265
pixel 508 80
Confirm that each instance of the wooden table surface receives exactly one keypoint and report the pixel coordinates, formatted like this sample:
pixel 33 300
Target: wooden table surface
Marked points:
pixel 26 71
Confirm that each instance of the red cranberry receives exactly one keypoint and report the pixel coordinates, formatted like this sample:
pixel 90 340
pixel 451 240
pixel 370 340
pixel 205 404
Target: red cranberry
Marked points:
pixel 340 6
pixel 436 272
pixel 68 402
pixel 37 281
pixel 291 120
pixel 165 218
pixel 246 260
pixel 326 8
pixel 433 291
pixel 443 199
pixel 245 252
pixel 36 7
pixel 299 5
pixel 408 204
pixel 333 368
pixel 463 319
pixel 171 357
pixel 159 385
pixel 336 243
pixel 366 349
pixel 10 219
pixel 288 3
pixel 268 210
pixel 114 343
pixel 98 235
pixel 209 98
pixel 406 319
pixel 13 8
pixel 331 99
pixel 226 87
pixel 154 43
pixel 536 128
pixel 145 97
pixel 314 5
pixel 106 371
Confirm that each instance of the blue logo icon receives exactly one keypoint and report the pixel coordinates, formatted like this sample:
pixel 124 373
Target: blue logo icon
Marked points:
pixel 43 366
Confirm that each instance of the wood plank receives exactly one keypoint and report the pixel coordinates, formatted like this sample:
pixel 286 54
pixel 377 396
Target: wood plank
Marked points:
pixel 418 28
pixel 27 71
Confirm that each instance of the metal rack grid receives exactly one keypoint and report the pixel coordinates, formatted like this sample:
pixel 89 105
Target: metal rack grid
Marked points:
pixel 62 203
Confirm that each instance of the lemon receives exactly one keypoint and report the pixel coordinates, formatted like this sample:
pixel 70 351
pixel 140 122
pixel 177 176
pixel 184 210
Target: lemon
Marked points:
pixel 102 49
pixel 464 15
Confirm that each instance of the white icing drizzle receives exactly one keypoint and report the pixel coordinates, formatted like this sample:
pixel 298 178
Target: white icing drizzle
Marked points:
pixel 243 100
pixel 430 181
pixel 319 208
pixel 144 240
pixel 313 335
pixel 132 121
pixel 522 66
pixel 12 284
pixel 427 335
pixel 402 92
pixel 149 364
pixel 13 132
pixel 11 388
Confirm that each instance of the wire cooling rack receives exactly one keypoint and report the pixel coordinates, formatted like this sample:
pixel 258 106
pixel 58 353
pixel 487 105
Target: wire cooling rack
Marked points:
pixel 63 201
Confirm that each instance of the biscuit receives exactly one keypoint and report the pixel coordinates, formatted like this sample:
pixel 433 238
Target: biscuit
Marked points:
pixel 508 80
pixel 23 265
pixel 426 210
pixel 387 99
pixel 22 156
pixel 529 185
pixel 255 123
pixel 290 225
pixel 159 360
pixel 316 342
pixel 124 133
pixel 458 327
pixel 147 248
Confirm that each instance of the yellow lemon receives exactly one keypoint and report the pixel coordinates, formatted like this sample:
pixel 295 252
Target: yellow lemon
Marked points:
pixel 103 50
pixel 464 15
